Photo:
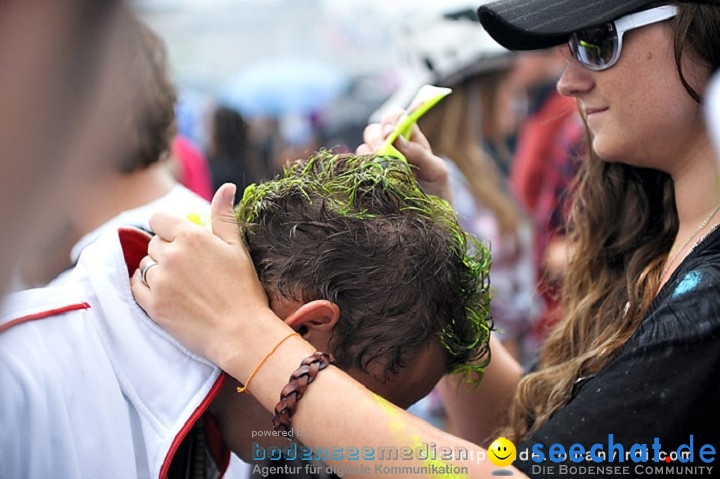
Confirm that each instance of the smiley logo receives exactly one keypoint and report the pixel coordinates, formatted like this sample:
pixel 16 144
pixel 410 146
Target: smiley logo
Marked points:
pixel 502 452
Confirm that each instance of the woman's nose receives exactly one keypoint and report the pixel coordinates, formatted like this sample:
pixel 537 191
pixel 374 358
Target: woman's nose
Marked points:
pixel 576 79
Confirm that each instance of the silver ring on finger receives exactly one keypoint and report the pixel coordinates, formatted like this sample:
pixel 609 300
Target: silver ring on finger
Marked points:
pixel 145 269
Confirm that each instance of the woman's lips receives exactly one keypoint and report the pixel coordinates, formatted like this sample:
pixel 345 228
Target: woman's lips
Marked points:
pixel 593 111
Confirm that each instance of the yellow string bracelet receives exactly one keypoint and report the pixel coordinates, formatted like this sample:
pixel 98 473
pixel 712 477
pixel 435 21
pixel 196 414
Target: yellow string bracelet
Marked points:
pixel 252 374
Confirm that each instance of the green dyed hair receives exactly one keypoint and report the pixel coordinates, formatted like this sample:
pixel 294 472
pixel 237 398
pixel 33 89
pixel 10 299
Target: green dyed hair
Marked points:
pixel 360 232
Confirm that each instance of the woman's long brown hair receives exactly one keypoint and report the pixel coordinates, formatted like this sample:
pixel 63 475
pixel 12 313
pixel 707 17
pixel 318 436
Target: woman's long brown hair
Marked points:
pixel 622 224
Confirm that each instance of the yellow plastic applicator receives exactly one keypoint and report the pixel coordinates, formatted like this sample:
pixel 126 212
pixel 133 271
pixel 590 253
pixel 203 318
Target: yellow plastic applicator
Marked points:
pixel 427 97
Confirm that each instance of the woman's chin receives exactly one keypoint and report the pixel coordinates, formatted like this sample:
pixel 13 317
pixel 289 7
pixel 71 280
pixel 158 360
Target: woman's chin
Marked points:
pixel 606 151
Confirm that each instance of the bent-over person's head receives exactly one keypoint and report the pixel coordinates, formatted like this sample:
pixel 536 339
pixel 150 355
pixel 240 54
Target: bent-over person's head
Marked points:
pixel 358 259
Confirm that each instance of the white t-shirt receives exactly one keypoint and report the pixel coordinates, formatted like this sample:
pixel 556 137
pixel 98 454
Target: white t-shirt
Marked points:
pixel 91 387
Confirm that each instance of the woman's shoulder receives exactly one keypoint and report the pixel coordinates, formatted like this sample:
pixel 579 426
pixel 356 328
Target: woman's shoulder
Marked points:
pixel 688 309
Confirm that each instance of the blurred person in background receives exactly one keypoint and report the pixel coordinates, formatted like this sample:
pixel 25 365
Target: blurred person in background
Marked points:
pixel 234 156
pixel 549 143
pixel 139 184
pixel 472 129
pixel 191 167
pixel 299 134
pixel 58 121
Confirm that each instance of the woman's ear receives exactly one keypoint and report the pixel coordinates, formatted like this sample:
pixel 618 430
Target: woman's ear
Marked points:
pixel 315 321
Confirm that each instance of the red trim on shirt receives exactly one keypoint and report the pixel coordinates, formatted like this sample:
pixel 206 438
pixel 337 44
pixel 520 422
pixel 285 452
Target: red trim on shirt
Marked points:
pixel 134 245
pixel 43 315
pixel 189 425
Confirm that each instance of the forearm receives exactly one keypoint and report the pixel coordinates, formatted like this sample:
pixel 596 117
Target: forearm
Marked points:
pixel 339 414
pixel 478 411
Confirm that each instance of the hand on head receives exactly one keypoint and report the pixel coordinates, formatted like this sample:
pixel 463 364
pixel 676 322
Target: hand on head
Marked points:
pixel 202 278
pixel 431 171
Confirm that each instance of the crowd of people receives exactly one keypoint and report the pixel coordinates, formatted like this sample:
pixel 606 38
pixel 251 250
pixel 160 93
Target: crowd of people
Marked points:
pixel 542 266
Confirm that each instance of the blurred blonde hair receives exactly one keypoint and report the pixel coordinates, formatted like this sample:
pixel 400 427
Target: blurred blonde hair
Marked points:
pixel 455 129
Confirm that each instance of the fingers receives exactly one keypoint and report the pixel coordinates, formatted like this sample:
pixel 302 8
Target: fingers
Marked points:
pixel 169 227
pixel 363 149
pixel 392 117
pixel 146 266
pixel 417 136
pixel 431 171
pixel 140 283
pixel 222 215
pixel 157 248
pixel 373 137
pixel 375 134
pixel 141 292
pixel 417 150
pixel 429 166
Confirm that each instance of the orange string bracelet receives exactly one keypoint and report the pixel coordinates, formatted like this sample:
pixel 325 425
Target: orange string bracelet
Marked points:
pixel 252 374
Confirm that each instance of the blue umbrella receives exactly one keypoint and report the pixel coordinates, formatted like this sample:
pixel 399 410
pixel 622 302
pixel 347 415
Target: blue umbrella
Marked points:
pixel 284 86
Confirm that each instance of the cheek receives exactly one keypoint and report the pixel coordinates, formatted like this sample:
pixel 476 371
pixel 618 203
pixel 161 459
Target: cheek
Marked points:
pixel 646 120
pixel 671 118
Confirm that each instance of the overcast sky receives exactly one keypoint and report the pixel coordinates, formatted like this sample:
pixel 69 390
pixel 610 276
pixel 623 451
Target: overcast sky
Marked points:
pixel 210 40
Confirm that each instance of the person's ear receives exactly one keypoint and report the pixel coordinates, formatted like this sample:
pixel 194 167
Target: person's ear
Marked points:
pixel 315 321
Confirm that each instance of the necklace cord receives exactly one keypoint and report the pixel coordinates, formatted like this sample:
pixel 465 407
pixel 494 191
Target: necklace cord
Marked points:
pixel 702 225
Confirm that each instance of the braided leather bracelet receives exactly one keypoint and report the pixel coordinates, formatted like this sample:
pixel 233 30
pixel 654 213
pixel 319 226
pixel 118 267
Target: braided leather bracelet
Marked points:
pixel 295 388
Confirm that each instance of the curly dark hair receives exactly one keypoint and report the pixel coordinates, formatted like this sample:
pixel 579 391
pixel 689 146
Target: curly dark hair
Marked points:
pixel 360 232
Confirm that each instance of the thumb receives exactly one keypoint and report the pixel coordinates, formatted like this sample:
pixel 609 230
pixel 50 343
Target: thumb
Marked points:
pixel 222 217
